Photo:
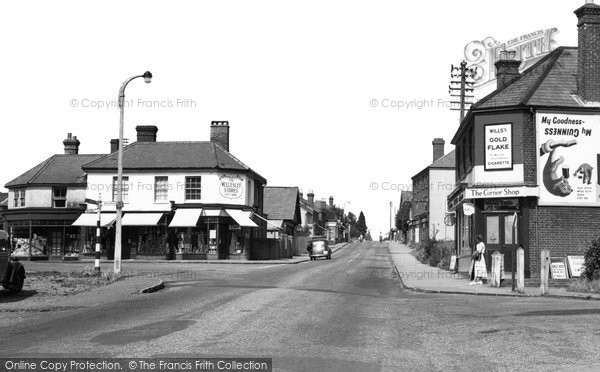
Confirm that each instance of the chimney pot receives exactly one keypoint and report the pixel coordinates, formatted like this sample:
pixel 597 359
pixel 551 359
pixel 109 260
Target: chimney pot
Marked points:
pixel 146 133
pixel 331 201
pixel 114 145
pixel 438 148
pixel 311 198
pixel 507 68
pixel 588 60
pixel 219 133
pixel 71 145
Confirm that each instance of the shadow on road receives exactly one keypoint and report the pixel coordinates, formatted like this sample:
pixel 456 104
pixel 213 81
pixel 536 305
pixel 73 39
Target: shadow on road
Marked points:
pixel 8 297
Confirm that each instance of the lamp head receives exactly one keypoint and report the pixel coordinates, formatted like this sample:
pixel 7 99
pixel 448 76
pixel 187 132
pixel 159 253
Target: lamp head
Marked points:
pixel 147 76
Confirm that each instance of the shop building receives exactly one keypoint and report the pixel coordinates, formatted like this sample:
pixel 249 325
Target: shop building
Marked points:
pixel 184 200
pixel 282 208
pixel 528 155
pixel 431 187
pixel 43 202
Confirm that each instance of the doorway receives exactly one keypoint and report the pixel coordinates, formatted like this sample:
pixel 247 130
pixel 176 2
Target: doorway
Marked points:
pixel 501 234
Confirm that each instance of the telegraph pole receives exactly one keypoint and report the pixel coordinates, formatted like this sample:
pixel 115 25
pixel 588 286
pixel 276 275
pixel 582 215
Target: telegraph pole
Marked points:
pixel 462 88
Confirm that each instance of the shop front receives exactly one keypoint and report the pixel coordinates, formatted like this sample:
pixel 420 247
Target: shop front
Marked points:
pixel 500 214
pixel 211 234
pixel 42 236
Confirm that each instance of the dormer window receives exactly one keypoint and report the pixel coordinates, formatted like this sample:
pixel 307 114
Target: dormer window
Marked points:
pixel 59 197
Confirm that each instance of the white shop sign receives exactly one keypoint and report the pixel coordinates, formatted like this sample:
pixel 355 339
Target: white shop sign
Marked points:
pixel 498 147
pixel 500 192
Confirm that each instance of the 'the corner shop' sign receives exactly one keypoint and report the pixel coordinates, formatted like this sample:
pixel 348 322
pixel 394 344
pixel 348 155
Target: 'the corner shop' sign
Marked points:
pixel 500 192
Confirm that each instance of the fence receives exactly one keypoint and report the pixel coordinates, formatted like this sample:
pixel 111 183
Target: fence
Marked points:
pixel 276 249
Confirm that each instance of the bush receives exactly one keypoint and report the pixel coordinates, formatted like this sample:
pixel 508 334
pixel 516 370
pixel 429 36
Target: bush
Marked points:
pixel 434 252
pixel 591 265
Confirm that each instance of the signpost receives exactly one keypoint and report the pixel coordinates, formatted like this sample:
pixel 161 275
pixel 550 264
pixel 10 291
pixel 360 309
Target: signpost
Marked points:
pixel 98 231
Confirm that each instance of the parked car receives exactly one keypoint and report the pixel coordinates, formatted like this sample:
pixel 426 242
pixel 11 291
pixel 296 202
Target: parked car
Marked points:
pixel 12 272
pixel 318 247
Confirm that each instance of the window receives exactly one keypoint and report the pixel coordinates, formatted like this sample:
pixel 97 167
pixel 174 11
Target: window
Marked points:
pixel 59 197
pixel 161 189
pixel 125 189
pixel 193 188
pixel 258 197
pixel 19 200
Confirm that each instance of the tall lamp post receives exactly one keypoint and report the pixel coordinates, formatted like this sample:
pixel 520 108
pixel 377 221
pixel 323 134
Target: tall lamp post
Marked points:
pixel 117 259
pixel 343 212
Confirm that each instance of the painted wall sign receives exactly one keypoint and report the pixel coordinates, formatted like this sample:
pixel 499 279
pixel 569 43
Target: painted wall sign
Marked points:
pixel 568 159
pixel 231 187
pixel 501 192
pixel 498 147
pixel 530 48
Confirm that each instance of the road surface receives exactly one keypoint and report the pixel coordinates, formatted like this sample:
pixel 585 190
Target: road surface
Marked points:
pixel 344 314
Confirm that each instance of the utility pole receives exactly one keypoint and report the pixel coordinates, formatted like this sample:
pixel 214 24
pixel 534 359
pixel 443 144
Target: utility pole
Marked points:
pixel 462 88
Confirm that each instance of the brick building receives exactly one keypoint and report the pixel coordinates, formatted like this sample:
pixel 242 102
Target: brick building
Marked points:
pixel 531 149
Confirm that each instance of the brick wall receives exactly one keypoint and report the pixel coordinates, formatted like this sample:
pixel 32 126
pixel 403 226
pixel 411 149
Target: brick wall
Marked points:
pixel 562 230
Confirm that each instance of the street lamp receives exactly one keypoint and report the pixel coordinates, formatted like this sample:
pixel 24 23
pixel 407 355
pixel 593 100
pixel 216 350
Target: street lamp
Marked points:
pixel 117 259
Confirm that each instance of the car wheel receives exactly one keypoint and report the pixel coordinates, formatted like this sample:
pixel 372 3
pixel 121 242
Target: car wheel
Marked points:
pixel 17 284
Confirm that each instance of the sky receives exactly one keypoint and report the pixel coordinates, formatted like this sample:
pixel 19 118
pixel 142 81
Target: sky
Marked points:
pixel 307 86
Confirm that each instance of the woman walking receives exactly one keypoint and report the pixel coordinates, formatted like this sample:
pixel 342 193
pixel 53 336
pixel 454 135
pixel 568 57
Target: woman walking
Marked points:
pixel 478 269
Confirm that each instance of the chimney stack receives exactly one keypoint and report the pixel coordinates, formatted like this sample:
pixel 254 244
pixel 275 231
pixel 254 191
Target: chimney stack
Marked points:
pixel 331 201
pixel 588 59
pixel 311 198
pixel 71 145
pixel 438 148
pixel 219 133
pixel 507 68
pixel 114 145
pixel 146 133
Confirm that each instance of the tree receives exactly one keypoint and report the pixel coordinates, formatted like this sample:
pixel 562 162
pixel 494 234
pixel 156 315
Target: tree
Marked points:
pixel 361 224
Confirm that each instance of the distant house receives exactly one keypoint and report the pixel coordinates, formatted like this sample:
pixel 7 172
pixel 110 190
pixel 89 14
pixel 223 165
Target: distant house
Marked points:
pixel 431 188
pixel 3 207
pixel 282 207
pixel 404 212
pixel 307 214
pixel 44 201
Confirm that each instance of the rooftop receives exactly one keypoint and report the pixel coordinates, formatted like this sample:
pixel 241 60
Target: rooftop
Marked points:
pixel 281 203
pixel 56 170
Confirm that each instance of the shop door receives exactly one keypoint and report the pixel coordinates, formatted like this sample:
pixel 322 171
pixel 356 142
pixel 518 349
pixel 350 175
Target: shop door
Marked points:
pixel 501 235
pixel 56 244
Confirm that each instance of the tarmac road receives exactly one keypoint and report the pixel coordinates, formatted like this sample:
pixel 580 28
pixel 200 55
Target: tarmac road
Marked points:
pixel 345 314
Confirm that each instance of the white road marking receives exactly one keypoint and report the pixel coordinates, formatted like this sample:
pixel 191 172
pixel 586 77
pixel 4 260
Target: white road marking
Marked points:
pixel 353 258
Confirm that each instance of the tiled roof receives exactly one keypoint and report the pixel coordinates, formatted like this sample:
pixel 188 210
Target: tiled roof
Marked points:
pixel 56 170
pixel 446 161
pixel 171 155
pixel 552 81
pixel 281 203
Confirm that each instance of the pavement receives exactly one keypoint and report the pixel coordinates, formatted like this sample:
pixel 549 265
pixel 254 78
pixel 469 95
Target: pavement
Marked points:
pixel 419 277
pixel 344 314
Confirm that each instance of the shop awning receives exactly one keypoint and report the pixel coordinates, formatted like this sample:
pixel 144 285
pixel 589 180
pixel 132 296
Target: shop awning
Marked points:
pixel 89 219
pixel 142 219
pixel 241 217
pixel 274 224
pixel 186 218
pixel 211 213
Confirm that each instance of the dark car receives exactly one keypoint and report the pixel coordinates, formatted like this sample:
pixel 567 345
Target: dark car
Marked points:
pixel 318 247
pixel 12 272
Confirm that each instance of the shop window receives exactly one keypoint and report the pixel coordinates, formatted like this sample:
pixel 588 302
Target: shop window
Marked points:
pixel 59 197
pixel 193 188
pixel 493 229
pixel 161 189
pixel 19 200
pixel 509 237
pixel 125 189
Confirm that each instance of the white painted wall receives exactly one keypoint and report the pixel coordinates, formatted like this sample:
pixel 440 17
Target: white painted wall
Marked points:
pixel 442 184
pixel 141 190
pixel 41 197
